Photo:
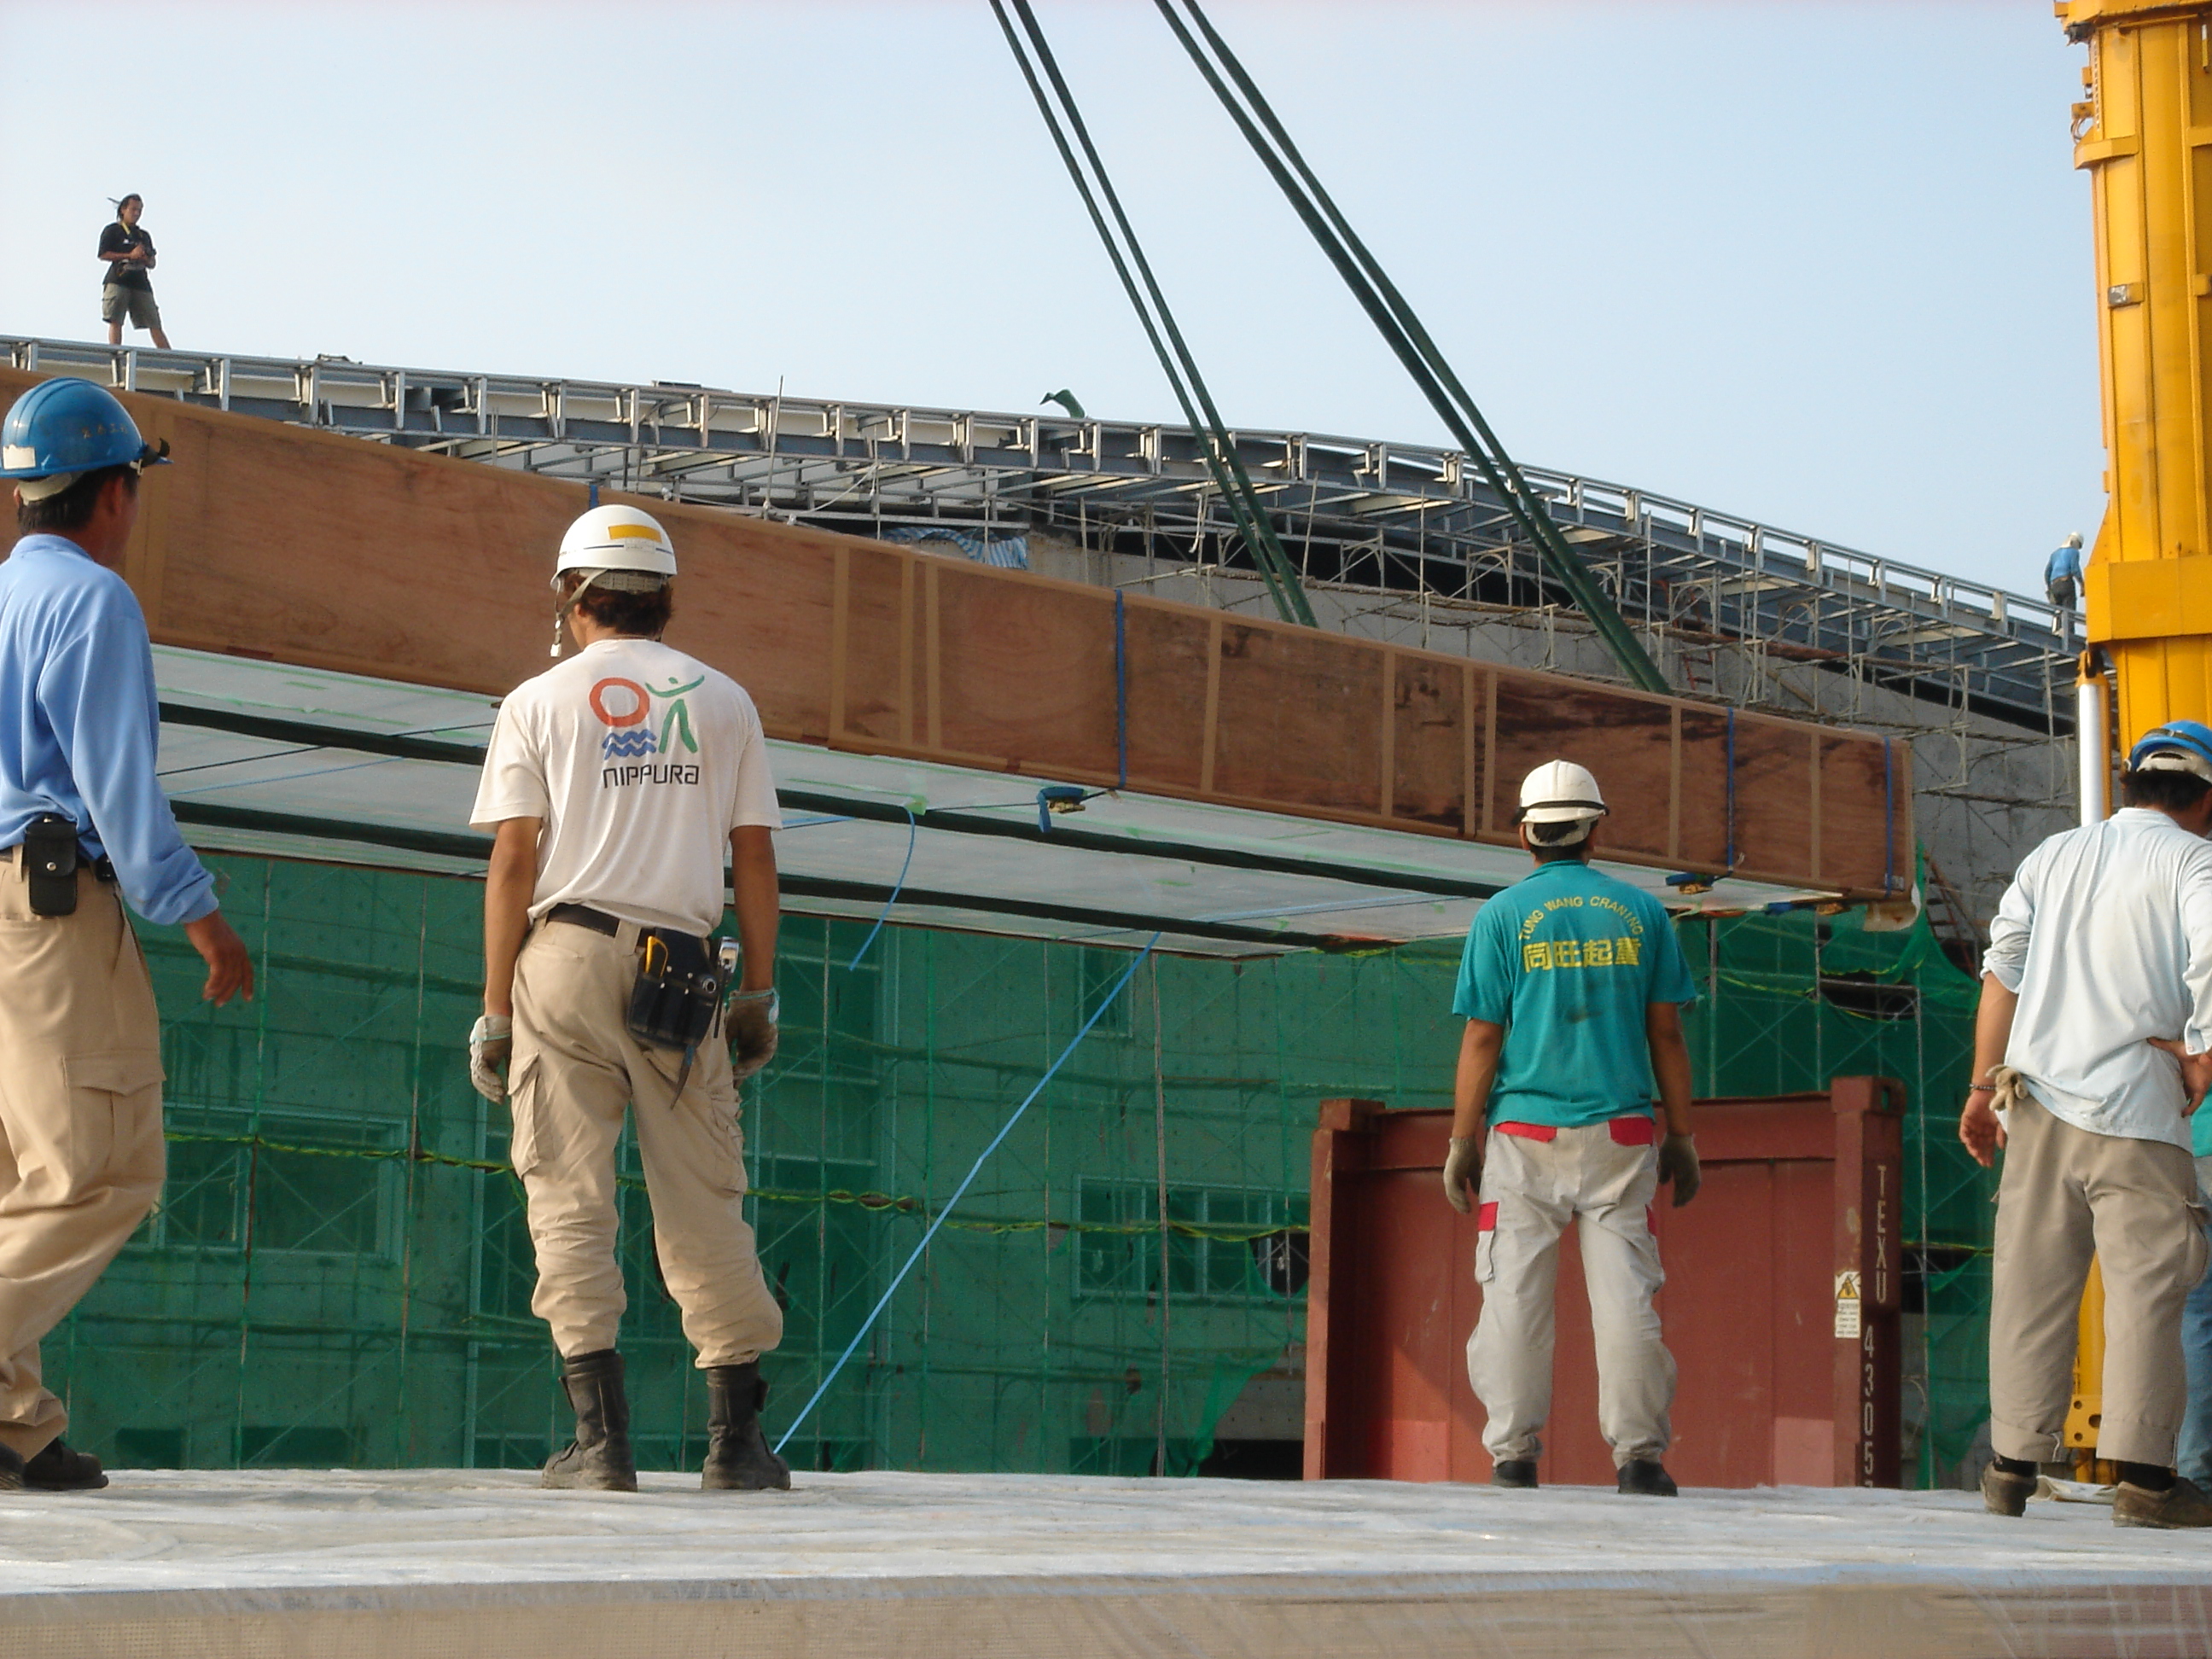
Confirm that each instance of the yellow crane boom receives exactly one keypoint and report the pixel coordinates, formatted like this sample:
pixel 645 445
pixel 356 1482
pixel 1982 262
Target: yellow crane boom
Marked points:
pixel 2144 132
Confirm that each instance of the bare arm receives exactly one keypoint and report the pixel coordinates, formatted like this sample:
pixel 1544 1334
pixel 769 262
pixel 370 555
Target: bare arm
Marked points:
pixel 1979 1127
pixel 1480 1046
pixel 508 885
pixel 1670 1062
pixel 759 906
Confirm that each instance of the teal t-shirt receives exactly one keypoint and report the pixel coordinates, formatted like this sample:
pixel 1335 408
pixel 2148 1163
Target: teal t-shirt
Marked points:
pixel 1566 961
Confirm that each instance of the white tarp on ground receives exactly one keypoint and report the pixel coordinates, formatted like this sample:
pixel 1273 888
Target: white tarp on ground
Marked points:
pixel 286 1561
pixel 176 1528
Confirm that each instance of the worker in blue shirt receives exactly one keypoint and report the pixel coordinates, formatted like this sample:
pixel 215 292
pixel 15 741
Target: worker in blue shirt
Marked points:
pixel 81 815
pixel 2061 573
pixel 1572 987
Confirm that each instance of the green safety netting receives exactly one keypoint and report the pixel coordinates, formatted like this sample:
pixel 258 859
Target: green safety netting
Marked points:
pixel 339 1274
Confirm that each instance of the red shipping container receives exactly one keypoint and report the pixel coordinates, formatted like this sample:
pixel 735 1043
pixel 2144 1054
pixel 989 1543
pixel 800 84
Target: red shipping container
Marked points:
pixel 1781 1304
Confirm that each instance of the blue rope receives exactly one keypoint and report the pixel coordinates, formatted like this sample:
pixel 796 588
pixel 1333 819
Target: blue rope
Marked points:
pixel 961 1191
pixel 1731 789
pixel 1121 683
pixel 897 887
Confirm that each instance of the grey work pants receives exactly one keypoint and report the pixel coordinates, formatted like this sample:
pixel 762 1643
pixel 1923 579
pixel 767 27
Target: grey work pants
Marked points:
pixel 2064 1195
pixel 81 1155
pixel 575 1068
pixel 1602 1179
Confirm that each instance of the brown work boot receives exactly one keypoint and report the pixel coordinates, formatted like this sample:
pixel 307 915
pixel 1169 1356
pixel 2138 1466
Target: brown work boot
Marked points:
pixel 61 1469
pixel 2181 1504
pixel 2004 1493
pixel 599 1458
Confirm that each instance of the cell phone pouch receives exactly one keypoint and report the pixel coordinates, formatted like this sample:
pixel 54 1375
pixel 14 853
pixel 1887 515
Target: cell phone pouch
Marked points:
pixel 677 1001
pixel 50 858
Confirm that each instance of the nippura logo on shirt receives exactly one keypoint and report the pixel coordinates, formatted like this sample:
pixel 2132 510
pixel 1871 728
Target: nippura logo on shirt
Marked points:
pixel 637 729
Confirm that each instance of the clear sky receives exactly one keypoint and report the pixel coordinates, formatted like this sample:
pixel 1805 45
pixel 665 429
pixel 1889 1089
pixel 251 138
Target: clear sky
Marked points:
pixel 1823 264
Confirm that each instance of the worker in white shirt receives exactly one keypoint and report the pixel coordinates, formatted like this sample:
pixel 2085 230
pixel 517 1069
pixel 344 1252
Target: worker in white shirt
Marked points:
pixel 617 784
pixel 2100 956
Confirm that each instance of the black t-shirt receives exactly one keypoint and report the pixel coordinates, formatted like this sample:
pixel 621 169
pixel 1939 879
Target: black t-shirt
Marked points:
pixel 119 238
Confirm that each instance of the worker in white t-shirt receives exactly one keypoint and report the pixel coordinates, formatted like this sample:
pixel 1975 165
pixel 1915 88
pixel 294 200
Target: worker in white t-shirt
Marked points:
pixel 617 784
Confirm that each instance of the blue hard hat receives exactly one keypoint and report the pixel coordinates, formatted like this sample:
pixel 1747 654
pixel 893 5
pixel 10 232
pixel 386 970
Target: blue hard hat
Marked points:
pixel 2175 737
pixel 70 425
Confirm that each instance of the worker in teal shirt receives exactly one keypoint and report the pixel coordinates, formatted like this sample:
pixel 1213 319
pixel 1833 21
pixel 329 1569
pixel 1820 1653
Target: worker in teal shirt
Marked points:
pixel 1572 987
pixel 81 815
pixel 2193 1455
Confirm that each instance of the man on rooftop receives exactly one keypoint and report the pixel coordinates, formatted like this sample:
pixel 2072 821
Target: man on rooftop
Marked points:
pixel 126 291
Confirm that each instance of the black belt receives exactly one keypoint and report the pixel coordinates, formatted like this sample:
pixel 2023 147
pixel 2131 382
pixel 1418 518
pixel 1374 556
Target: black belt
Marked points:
pixel 104 870
pixel 582 916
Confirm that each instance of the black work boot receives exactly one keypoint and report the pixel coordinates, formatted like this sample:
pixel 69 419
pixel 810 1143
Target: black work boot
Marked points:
pixel 599 1458
pixel 1643 1477
pixel 59 1468
pixel 1517 1473
pixel 11 1470
pixel 2006 1492
pixel 737 1455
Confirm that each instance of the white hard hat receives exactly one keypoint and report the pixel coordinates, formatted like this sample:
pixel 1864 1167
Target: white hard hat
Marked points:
pixel 2074 539
pixel 618 538
pixel 1559 792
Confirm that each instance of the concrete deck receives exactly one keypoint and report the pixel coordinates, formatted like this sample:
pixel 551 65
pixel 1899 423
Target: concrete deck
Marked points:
pixel 482 1562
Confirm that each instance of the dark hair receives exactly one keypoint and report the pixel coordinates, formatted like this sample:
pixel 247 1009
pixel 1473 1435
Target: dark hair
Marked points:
pixel 123 202
pixel 72 508
pixel 2168 792
pixel 644 615
pixel 1550 850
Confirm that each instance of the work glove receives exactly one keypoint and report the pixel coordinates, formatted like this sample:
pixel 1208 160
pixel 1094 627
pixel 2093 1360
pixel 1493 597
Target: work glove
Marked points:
pixel 1678 1163
pixel 752 1031
pixel 491 1041
pixel 1463 1170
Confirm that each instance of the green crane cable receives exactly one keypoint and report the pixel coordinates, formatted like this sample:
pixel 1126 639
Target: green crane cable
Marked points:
pixel 1222 461
pixel 1403 332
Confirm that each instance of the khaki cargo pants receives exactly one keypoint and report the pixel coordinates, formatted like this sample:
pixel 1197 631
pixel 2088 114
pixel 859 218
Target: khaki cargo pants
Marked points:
pixel 1536 1181
pixel 2065 1193
pixel 80 1150
pixel 575 1068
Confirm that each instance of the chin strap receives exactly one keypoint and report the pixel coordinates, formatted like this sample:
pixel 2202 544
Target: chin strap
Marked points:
pixel 561 616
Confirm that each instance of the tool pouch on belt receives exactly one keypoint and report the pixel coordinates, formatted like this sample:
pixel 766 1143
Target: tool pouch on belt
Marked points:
pixel 677 1001
pixel 50 857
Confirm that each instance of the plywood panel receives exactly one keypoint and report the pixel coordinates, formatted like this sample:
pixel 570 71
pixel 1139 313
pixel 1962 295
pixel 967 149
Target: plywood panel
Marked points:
pixel 1017 662
pixel 757 606
pixel 1625 740
pixel 329 552
pixel 1866 812
pixel 1301 718
pixel 1430 721
pixel 1774 782
pixel 1169 665
pixel 1706 808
